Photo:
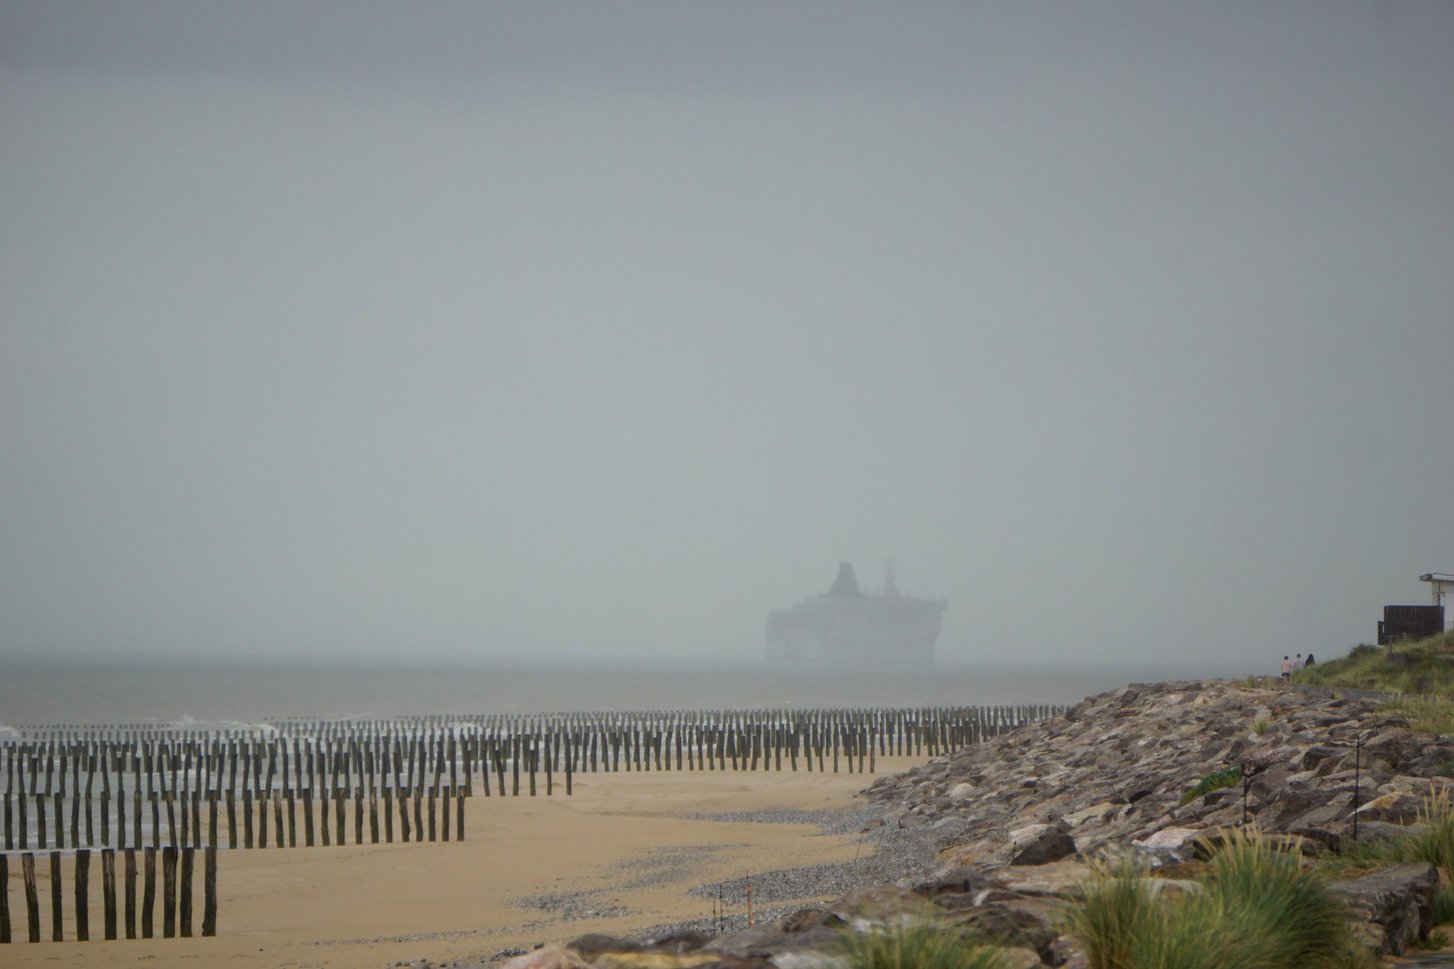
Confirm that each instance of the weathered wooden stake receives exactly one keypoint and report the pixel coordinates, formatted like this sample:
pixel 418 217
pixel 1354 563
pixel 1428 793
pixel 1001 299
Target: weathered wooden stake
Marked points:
pixel 83 884
pixel 108 892
pixel 209 893
pixel 32 896
pixel 148 889
pixel 129 914
pixel 57 904
pixel 169 893
pixel 185 915
pixel 4 899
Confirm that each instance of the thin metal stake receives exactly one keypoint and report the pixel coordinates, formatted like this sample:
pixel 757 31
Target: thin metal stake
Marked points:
pixel 1357 780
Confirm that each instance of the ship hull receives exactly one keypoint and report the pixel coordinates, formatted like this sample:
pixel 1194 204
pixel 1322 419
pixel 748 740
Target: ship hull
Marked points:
pixel 867 630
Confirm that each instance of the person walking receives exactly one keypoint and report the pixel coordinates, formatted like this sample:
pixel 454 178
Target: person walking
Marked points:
pixel 1286 669
pixel 1310 661
pixel 1297 664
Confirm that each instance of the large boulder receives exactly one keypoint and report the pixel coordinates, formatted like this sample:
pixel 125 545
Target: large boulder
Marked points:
pixel 1398 902
pixel 1041 844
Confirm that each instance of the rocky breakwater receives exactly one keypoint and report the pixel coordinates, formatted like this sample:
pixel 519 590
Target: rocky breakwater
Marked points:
pixel 1150 770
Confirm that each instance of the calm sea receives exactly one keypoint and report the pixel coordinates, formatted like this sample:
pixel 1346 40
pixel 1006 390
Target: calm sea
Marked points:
pixel 35 692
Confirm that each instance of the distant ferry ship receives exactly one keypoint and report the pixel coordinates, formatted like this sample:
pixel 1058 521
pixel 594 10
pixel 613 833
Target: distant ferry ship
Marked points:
pixel 848 625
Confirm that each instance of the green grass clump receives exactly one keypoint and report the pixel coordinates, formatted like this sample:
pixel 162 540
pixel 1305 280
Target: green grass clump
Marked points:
pixel 1257 908
pixel 1261 725
pixel 1117 918
pixel 1226 777
pixel 1429 668
pixel 917 945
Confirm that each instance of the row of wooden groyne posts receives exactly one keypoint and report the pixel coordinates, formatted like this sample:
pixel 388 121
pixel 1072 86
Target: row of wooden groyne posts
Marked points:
pixel 70 789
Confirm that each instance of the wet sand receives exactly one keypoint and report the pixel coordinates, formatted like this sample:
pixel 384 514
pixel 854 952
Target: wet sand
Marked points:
pixel 619 855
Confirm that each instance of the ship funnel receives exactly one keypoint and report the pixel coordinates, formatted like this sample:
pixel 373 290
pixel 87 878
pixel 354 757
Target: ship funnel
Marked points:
pixel 846 585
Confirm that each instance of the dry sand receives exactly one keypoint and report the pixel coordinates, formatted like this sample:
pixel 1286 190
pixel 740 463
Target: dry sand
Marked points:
pixel 634 843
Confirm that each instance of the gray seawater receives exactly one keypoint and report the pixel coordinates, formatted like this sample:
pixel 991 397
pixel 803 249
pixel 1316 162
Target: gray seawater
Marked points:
pixel 37 692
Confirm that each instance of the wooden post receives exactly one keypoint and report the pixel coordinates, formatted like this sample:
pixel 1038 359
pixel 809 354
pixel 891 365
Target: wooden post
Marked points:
pixel 308 817
pixel 32 897
pixel 459 818
pixel 83 884
pixel 169 892
pixel 431 813
pixel 209 893
pixel 185 914
pixel 148 889
pixel 444 815
pixel 129 913
pixel 24 813
pixel 4 899
pixel 108 891
pixel 57 903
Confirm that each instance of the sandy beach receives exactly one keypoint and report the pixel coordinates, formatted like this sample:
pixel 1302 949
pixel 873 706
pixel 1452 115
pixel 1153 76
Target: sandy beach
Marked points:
pixel 619 855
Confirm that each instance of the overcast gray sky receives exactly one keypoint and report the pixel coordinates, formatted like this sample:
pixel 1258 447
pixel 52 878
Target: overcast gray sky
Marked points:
pixel 602 329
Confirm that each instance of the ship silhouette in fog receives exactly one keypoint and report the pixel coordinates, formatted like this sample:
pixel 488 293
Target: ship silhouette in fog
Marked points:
pixel 848 625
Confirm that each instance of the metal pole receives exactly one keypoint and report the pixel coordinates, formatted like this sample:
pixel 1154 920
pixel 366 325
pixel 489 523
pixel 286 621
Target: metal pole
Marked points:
pixel 1357 780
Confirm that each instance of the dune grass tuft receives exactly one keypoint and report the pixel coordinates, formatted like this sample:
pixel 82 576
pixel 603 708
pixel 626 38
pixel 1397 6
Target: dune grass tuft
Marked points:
pixel 1256 908
pixel 1215 781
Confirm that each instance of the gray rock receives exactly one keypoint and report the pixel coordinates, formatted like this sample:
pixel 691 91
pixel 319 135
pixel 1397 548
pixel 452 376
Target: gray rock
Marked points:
pixel 1052 845
pixel 1398 901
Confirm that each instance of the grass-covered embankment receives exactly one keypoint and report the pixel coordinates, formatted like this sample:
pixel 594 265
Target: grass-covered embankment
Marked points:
pixel 1427 666
pixel 1420 672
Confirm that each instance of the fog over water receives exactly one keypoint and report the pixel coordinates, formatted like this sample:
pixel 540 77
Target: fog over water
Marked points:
pixel 556 332
pixel 193 695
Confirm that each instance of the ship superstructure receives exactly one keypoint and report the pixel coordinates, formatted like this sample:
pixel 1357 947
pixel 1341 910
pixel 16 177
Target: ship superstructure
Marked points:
pixel 848 625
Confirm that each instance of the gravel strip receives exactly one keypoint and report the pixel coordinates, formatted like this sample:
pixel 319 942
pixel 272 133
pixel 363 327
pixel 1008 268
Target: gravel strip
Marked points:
pixel 574 906
pixel 888 855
